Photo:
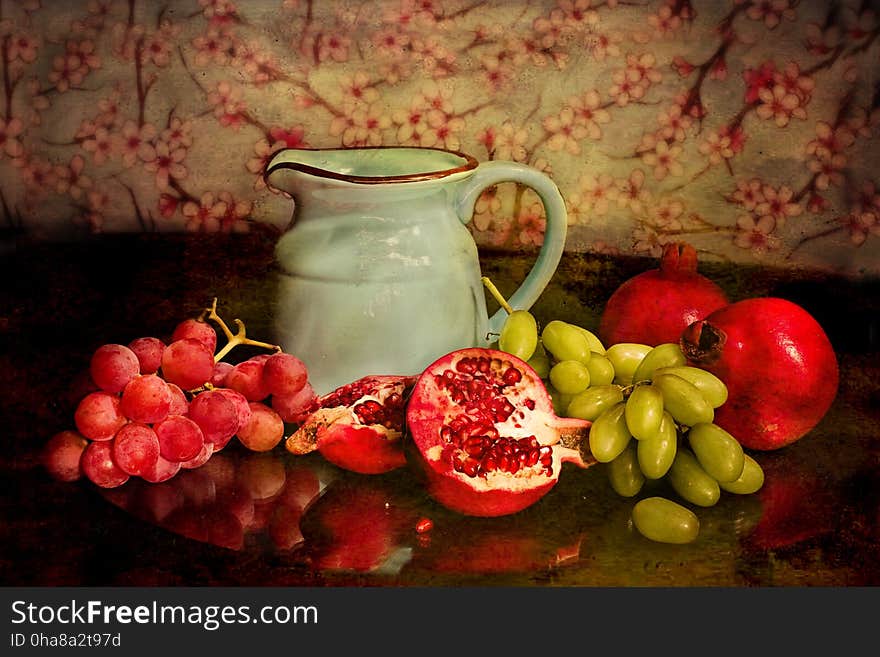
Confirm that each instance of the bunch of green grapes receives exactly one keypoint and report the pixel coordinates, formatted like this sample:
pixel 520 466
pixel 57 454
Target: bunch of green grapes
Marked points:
pixel 652 417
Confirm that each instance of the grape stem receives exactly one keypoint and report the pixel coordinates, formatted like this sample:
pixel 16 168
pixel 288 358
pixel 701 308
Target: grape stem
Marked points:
pixel 497 294
pixel 233 339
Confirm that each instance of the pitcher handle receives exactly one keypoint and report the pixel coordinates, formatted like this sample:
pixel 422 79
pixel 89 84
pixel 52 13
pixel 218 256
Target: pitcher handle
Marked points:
pixel 492 173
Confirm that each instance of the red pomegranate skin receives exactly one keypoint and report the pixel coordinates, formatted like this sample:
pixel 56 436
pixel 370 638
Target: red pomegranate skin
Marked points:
pixel 778 364
pixel 655 306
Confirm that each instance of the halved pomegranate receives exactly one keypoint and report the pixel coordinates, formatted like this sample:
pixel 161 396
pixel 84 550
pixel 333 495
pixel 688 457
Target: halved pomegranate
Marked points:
pixel 358 426
pixel 486 434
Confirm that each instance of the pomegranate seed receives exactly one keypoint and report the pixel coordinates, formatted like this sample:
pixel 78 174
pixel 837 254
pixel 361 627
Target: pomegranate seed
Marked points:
pixel 424 525
pixel 511 376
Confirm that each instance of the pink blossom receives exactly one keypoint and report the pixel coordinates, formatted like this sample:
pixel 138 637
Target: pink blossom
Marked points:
pixel 412 122
pixel 487 206
pixel 510 143
pixel 648 241
pixel 177 133
pixel 133 142
pixel 578 14
pixel 443 131
pixel 164 162
pixel 168 205
pixel 665 22
pixel 749 193
pixel 771 12
pixel 331 47
pixel 631 192
pixel 665 214
pixel 214 46
pixel 219 12
pixel 758 79
pixel 357 88
pixel 261 66
pixel 778 204
pixel 23 46
pixel 589 113
pixel 38 175
pixel 664 159
pixel 593 196
pixel 551 30
pixel 565 133
pixel 828 170
pixel 601 45
pixel 756 236
pixel 206 215
pixel 125 40
pixel 434 56
pixel 830 140
pixel 779 105
pixel 674 124
pixel 70 69
pixel 157 47
pixel 860 225
pixel 9 137
pixel 717 148
pixel 71 179
pixel 532 224
pixel 682 66
pixel 100 145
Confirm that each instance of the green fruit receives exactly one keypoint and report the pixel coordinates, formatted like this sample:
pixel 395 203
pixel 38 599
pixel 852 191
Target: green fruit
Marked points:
pixel 601 370
pixel 565 342
pixel 519 335
pixel 609 435
pixel 718 452
pixel 624 474
pixel 540 361
pixel 667 354
pixel 750 481
pixel 683 400
pixel 713 388
pixel 665 521
pixel 592 402
pixel 691 481
pixel 626 357
pixel 644 411
pixel 570 377
pixel 657 453
pixel 593 340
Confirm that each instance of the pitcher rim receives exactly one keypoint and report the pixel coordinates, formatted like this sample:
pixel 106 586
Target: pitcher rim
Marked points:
pixel 470 163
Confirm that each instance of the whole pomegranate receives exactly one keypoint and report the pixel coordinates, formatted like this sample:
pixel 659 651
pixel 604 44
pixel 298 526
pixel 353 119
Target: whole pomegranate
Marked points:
pixel 486 435
pixel 778 364
pixel 655 306
pixel 358 426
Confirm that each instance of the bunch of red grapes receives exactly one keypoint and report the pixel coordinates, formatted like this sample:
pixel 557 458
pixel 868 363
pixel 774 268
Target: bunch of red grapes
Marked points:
pixel 157 408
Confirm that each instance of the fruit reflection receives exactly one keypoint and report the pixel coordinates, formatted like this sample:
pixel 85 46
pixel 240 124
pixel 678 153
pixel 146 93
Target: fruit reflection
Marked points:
pixel 236 500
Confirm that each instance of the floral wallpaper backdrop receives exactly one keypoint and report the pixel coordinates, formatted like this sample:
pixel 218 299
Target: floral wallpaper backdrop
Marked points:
pixel 748 127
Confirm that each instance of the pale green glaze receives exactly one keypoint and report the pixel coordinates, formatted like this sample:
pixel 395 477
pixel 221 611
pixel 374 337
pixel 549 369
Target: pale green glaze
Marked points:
pixel 380 274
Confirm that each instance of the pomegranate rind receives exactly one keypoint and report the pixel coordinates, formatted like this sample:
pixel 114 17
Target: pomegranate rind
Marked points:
pixel 778 364
pixel 496 493
pixel 341 437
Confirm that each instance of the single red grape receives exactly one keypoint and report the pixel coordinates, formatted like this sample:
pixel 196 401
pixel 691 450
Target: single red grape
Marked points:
pixel 180 439
pixel 62 453
pixel 146 399
pixel 187 363
pixel 98 416
pixel 242 406
pixel 284 374
pixel 263 431
pixel 295 408
pixel 149 353
pixel 247 378
pixel 136 448
pixel 200 459
pixel 216 416
pixel 179 402
pixel 221 369
pixel 100 468
pixel 197 330
pixel 112 366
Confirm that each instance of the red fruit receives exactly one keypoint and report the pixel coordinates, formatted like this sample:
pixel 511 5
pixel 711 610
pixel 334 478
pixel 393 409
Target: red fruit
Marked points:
pixel 196 329
pixel 296 408
pixel 284 374
pixel 247 378
pixel 780 369
pixel 146 398
pixel 112 366
pixel 487 437
pixel 149 353
pixel 263 430
pixel 62 453
pixel 98 416
pixel 100 468
pixel 655 306
pixel 187 363
pixel 358 426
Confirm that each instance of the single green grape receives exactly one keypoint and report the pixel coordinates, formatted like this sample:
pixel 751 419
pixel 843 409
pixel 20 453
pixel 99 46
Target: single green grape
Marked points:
pixel 519 335
pixel 683 400
pixel 609 435
pixel 667 354
pixel 750 481
pixel 593 340
pixel 713 388
pixel 592 402
pixel 665 521
pixel 601 369
pixel 718 452
pixel 565 342
pixel 625 358
pixel 657 453
pixel 570 377
pixel 624 475
pixel 688 478
pixel 540 361
pixel 644 411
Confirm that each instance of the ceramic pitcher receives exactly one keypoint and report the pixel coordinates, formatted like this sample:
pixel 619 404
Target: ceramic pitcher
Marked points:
pixel 380 274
